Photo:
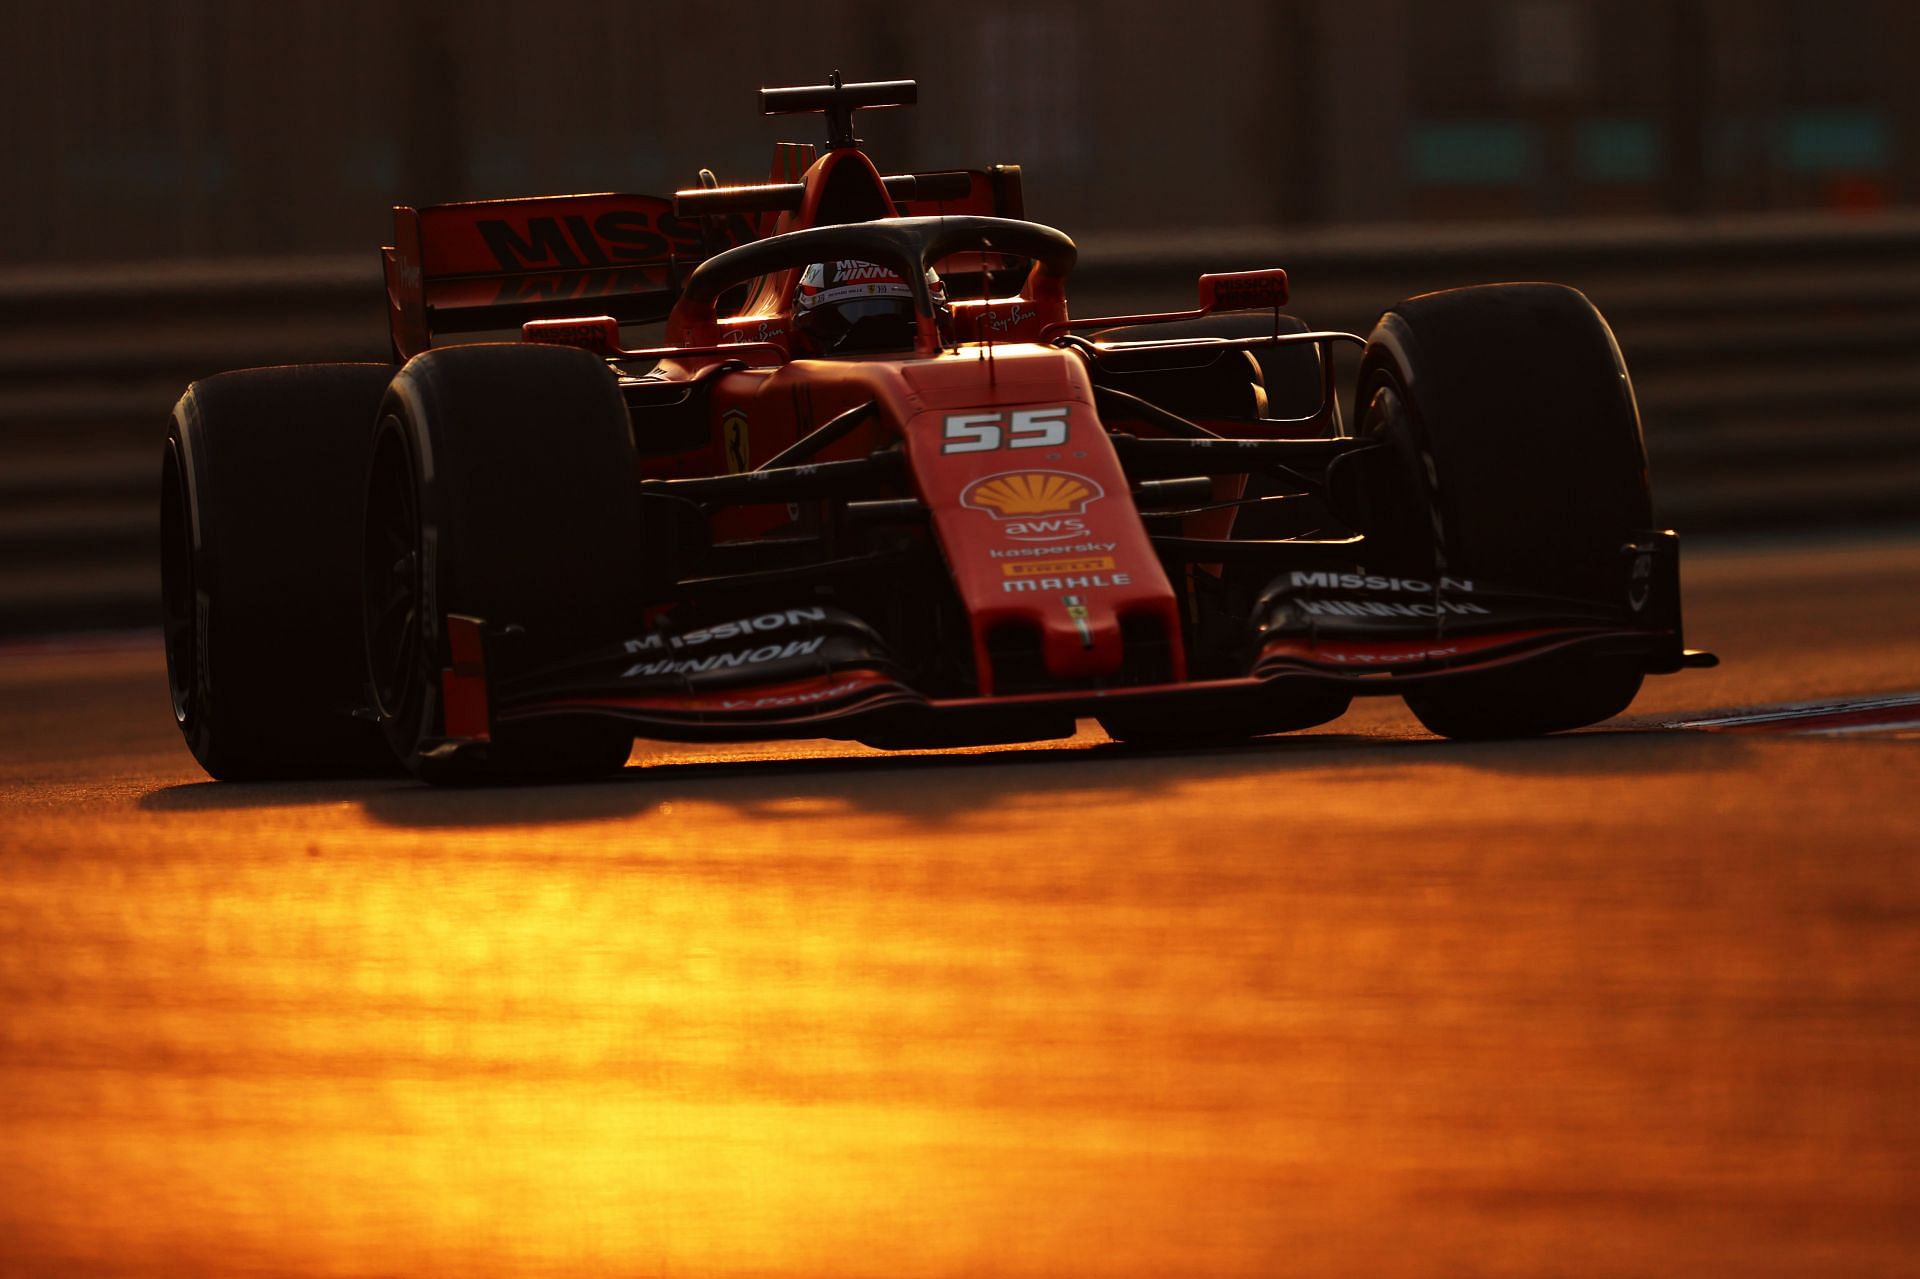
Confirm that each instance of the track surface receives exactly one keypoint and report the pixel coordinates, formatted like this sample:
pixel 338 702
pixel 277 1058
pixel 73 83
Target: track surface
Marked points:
pixel 1354 1003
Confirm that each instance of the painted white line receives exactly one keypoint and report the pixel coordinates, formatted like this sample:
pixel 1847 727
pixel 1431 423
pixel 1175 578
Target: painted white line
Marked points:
pixel 1887 713
pixel 1898 727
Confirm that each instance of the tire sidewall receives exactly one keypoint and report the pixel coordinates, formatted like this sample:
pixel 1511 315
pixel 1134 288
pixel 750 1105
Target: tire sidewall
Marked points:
pixel 1542 504
pixel 191 691
pixel 418 714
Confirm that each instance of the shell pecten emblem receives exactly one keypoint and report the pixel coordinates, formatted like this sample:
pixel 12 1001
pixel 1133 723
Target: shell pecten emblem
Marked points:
pixel 1015 494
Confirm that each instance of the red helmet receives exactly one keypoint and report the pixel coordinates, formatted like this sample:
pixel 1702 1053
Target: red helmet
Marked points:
pixel 851 306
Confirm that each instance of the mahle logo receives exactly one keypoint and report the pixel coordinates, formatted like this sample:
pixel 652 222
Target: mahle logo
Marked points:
pixel 1023 494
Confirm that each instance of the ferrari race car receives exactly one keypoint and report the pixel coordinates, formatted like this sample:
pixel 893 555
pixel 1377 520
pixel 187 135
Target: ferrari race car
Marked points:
pixel 876 483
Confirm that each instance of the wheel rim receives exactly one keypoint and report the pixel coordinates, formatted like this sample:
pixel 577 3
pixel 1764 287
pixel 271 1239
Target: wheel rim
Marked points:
pixel 390 578
pixel 1416 522
pixel 178 622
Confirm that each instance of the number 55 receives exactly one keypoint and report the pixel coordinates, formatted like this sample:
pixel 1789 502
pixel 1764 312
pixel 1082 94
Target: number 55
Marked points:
pixel 1025 429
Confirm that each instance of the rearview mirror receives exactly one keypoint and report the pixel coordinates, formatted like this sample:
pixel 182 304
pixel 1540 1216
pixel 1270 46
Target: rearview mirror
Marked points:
pixel 1243 290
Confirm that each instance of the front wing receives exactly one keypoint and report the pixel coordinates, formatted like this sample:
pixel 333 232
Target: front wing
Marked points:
pixel 820 672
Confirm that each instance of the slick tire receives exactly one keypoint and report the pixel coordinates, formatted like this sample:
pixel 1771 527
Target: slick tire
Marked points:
pixel 1521 462
pixel 502 486
pixel 260 488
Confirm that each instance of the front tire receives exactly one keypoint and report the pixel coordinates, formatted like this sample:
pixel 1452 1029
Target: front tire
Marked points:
pixel 1523 463
pixel 502 486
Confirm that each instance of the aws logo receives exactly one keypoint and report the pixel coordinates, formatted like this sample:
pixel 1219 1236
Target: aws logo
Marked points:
pixel 1021 494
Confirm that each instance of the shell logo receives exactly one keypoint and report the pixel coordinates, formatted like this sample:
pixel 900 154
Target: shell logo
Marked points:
pixel 1013 494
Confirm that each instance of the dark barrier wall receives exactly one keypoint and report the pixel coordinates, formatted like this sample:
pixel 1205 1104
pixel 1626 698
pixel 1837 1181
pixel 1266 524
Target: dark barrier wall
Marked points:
pixel 162 128
pixel 195 185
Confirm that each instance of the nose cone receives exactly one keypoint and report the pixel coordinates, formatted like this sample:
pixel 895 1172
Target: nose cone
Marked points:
pixel 1034 515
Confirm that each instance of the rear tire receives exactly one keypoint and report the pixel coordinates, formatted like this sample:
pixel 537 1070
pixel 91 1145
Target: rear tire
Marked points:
pixel 259 513
pixel 1523 463
pixel 502 486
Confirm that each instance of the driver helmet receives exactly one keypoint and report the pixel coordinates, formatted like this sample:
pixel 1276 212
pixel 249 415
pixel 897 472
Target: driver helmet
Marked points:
pixel 852 306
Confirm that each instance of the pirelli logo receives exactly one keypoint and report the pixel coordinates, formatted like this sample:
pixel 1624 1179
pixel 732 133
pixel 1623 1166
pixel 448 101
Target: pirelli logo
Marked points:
pixel 1048 568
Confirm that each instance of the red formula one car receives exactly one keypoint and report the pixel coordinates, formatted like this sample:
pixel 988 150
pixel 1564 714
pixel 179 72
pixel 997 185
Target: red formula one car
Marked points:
pixel 876 483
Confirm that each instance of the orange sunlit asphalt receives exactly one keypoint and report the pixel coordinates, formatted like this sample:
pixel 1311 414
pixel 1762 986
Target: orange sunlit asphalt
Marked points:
pixel 1349 1003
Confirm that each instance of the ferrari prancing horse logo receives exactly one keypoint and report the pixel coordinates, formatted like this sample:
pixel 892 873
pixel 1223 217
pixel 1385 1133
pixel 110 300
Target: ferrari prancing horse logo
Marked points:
pixel 733 433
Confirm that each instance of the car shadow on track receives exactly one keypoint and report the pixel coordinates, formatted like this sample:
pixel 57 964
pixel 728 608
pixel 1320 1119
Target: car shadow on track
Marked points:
pixel 941 789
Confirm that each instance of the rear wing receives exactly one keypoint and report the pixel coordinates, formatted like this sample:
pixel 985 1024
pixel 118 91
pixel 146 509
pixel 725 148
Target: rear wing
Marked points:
pixel 495 264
